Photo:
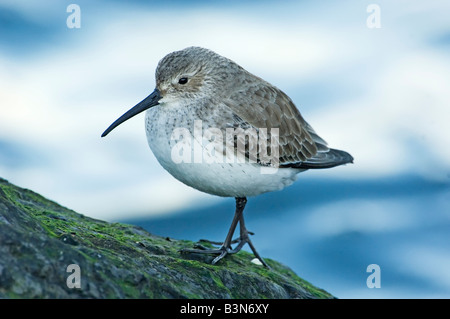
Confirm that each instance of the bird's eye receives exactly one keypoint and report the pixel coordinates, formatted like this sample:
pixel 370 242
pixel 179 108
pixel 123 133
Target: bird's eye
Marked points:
pixel 182 80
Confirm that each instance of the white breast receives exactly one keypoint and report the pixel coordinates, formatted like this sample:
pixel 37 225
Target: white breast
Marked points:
pixel 194 162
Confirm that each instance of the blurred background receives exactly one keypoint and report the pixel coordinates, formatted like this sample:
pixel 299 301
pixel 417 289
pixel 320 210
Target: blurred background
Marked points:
pixel 373 82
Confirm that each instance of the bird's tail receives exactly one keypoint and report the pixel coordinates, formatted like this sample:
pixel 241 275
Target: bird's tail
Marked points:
pixel 331 158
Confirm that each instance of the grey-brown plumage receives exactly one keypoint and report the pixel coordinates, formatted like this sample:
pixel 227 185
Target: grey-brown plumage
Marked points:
pixel 196 85
pixel 254 103
pixel 299 145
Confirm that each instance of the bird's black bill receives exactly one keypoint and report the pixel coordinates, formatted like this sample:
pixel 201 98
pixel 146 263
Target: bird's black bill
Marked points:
pixel 145 104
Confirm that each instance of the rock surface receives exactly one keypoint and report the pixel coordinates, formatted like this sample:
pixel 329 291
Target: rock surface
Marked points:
pixel 39 239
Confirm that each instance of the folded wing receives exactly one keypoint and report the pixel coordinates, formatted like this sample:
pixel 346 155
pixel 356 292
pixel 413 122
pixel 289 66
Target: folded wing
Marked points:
pixel 265 106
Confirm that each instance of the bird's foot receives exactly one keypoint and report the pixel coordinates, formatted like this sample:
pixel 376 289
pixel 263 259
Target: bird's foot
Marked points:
pixel 225 250
pixel 245 239
pixel 200 249
pixel 234 241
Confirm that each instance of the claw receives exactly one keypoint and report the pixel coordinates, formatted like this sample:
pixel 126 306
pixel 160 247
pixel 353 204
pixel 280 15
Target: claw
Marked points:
pixel 225 247
pixel 223 251
pixel 223 254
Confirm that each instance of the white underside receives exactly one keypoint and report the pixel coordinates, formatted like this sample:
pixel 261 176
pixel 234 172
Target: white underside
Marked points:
pixel 209 171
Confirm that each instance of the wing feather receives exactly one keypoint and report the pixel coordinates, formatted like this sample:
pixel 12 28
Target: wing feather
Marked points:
pixel 262 105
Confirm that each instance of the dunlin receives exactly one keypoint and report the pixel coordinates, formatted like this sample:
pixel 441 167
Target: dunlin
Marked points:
pixel 224 131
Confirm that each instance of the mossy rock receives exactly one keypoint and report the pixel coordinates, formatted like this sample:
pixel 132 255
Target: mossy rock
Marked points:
pixel 39 239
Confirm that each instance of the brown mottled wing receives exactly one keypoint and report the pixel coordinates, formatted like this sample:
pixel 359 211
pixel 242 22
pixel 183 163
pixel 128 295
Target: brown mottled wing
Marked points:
pixel 264 106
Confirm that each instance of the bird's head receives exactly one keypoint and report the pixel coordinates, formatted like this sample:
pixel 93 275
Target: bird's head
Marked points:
pixel 183 76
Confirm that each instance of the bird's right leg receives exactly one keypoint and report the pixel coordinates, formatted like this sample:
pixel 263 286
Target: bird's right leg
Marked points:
pixel 225 248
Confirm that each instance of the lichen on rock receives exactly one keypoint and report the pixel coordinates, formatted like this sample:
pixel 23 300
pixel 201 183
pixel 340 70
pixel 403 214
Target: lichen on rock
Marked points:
pixel 39 239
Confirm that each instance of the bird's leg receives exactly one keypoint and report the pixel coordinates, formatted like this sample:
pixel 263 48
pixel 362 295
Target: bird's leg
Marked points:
pixel 242 227
pixel 226 248
pixel 226 245
pixel 244 238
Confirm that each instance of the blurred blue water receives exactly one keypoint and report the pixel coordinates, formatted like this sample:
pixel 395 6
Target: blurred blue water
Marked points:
pixel 330 231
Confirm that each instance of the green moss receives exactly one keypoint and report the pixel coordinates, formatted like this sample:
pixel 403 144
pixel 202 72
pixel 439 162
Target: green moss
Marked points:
pixel 123 260
pixel 129 290
pixel 218 281
pixel 9 192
